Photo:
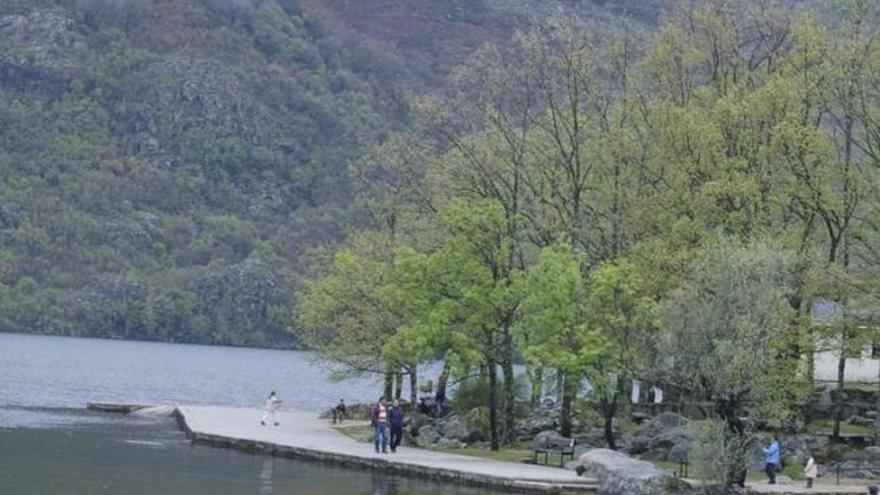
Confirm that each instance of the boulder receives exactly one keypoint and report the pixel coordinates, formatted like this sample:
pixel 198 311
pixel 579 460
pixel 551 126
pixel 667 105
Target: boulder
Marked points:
pixel 552 439
pixel 428 435
pixel 540 419
pixel 660 423
pixel 619 474
pixel 473 418
pixel 454 428
pixel 415 421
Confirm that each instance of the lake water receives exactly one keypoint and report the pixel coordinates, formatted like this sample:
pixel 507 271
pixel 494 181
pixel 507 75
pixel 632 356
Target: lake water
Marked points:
pixel 49 443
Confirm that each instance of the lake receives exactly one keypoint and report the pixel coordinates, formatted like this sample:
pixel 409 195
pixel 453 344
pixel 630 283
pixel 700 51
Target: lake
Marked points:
pixel 50 444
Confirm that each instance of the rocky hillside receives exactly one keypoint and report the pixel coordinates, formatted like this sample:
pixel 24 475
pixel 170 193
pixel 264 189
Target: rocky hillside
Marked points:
pixel 166 165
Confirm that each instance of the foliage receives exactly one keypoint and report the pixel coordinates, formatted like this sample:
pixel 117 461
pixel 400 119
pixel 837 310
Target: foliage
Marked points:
pixel 160 179
pixel 715 452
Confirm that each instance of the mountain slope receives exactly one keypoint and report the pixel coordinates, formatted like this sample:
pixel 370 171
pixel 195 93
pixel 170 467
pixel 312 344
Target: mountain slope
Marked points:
pixel 166 164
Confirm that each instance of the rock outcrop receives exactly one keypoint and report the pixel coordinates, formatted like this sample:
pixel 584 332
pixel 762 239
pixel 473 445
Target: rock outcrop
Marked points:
pixel 619 474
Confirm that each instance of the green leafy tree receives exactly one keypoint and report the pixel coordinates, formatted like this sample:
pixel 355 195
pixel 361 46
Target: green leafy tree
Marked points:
pixel 720 332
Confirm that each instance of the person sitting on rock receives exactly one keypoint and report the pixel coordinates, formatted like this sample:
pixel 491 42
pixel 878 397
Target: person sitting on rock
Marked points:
pixel 272 404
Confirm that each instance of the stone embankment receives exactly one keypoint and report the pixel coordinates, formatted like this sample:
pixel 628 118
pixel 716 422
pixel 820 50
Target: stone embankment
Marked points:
pixel 302 435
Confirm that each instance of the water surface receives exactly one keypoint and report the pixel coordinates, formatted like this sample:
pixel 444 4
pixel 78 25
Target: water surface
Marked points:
pixel 49 444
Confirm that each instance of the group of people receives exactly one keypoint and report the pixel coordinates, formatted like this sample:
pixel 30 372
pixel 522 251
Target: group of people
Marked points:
pixel 773 463
pixel 385 419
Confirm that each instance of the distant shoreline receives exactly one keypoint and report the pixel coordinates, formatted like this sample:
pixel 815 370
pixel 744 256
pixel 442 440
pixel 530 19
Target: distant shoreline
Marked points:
pixel 158 341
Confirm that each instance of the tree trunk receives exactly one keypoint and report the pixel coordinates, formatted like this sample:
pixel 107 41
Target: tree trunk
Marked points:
pixel 841 396
pixel 728 410
pixel 493 404
pixel 569 394
pixel 560 379
pixel 398 384
pixel 441 381
pixel 536 380
pixel 414 384
pixel 508 416
pixel 608 407
pixel 389 382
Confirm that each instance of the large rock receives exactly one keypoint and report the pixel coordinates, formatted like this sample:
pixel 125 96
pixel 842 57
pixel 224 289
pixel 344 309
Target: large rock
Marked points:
pixel 619 474
pixel 428 435
pixel 455 428
pixel 660 423
pixel 551 438
pixel 540 419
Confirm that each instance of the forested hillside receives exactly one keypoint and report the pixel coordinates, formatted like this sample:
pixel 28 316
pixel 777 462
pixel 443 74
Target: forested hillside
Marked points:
pixel 168 166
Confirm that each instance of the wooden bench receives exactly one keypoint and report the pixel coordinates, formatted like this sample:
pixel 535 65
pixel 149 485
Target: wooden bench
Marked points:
pixel 547 448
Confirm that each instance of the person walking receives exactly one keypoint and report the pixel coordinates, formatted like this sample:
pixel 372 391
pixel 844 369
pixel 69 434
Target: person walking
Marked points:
pixel 395 417
pixel 379 420
pixel 810 471
pixel 272 404
pixel 339 411
pixel 771 459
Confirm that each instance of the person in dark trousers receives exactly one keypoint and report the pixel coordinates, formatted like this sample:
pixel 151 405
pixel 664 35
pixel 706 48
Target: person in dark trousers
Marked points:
pixel 339 411
pixel 395 418
pixel 771 459
pixel 379 420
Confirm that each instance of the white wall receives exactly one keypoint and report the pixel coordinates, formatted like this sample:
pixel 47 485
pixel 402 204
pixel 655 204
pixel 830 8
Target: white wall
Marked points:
pixel 857 370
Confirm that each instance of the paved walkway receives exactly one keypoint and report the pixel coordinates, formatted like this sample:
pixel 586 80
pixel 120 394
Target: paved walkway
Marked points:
pixel 303 435
pixel 822 487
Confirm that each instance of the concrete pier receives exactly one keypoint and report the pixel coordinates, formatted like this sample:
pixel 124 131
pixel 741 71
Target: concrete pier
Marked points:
pixel 303 436
pixel 109 407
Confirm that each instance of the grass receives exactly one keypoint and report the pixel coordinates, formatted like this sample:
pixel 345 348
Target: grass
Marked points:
pixel 826 426
pixel 860 386
pixel 360 433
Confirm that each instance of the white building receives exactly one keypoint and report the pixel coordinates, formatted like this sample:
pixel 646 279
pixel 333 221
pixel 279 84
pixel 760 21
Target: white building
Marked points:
pixel 862 363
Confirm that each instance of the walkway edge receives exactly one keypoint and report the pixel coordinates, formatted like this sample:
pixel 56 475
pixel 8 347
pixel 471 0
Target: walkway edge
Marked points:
pixel 396 467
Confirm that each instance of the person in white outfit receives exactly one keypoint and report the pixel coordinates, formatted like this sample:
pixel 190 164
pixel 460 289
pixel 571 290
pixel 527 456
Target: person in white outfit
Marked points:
pixel 810 471
pixel 272 404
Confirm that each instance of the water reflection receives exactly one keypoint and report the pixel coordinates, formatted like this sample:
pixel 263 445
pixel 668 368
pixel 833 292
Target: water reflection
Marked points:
pixel 266 476
pixel 382 485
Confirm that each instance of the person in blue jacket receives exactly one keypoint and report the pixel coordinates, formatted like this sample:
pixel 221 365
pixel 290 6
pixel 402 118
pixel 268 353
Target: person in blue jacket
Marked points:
pixel 771 459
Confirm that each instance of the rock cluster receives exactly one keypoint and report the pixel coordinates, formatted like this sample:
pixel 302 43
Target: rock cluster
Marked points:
pixel 453 431
pixel 619 474
pixel 665 437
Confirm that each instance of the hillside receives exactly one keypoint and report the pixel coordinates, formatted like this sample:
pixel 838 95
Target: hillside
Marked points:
pixel 166 165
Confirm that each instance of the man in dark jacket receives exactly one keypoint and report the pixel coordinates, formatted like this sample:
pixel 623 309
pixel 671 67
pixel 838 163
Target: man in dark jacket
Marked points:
pixel 396 419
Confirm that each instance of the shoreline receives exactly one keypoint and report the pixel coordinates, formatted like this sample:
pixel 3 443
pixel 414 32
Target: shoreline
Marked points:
pixel 431 465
